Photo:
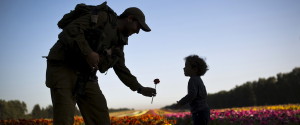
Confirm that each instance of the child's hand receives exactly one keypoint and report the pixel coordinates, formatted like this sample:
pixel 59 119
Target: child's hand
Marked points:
pixel 177 105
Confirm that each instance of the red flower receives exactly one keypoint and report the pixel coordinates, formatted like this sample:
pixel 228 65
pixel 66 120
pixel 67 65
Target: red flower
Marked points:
pixel 156 81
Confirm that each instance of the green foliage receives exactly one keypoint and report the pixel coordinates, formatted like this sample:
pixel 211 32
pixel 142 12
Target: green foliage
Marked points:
pixel 15 109
pixel 271 91
pixel 12 109
pixel 36 112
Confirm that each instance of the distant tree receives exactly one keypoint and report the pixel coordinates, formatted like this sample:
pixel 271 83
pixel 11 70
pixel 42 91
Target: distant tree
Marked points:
pixel 36 112
pixel 3 110
pixel 281 90
pixel 48 111
pixel 13 109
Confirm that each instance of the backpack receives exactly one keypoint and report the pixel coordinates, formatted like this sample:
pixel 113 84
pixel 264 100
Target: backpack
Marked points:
pixel 91 35
pixel 81 10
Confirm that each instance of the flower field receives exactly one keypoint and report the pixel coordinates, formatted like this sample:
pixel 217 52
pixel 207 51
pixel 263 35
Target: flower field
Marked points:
pixel 262 115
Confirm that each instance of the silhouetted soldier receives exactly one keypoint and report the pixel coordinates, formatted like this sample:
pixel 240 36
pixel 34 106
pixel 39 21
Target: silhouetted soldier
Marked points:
pixel 93 38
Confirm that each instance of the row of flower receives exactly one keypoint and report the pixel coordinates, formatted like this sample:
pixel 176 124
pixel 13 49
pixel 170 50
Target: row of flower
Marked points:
pixel 146 119
pixel 262 115
pixel 78 120
pixel 143 120
pixel 280 114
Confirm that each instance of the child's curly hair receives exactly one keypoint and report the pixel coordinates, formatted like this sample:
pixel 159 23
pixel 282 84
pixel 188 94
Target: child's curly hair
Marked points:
pixel 196 62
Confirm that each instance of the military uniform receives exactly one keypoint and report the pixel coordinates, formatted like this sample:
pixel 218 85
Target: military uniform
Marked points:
pixel 66 64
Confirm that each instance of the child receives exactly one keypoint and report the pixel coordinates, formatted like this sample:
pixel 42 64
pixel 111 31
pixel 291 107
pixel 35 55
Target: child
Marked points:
pixel 196 97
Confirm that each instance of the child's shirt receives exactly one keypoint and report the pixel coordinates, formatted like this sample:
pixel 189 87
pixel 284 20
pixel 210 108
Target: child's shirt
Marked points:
pixel 196 96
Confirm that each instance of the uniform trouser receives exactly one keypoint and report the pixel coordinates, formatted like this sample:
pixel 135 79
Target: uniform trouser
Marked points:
pixel 92 105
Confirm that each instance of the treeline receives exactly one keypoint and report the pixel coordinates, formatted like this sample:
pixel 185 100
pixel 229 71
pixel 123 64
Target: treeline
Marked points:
pixel 15 109
pixel 12 109
pixel 282 89
pixel 119 109
pixel 38 112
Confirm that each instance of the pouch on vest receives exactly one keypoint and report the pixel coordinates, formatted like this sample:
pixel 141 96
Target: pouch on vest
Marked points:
pixel 80 10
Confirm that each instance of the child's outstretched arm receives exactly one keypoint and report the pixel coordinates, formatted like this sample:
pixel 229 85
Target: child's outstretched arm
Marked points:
pixel 192 93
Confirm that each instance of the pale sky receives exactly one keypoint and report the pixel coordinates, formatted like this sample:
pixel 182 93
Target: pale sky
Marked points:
pixel 242 40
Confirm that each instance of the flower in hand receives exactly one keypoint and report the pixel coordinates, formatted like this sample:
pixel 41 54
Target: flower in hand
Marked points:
pixel 156 81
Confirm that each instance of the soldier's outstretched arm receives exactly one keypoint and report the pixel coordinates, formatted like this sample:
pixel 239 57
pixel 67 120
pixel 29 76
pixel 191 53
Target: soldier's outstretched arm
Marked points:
pixel 130 80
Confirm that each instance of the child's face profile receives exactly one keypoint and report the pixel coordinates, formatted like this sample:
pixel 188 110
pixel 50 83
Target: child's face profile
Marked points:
pixel 188 70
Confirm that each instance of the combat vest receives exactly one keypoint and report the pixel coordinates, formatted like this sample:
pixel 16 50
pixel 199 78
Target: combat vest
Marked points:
pixel 99 26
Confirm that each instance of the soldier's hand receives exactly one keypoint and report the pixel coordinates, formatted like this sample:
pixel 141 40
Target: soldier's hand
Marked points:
pixel 93 59
pixel 147 91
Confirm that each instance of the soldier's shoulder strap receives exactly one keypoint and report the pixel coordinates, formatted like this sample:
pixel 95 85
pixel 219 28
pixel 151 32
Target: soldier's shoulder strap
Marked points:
pixel 102 14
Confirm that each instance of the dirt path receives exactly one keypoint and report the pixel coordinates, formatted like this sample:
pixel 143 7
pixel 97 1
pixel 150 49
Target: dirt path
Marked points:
pixel 128 113
pixel 139 112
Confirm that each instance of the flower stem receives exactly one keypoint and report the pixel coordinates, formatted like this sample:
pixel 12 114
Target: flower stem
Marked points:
pixel 153 96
